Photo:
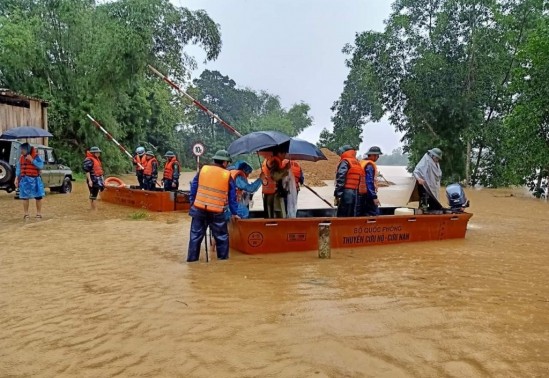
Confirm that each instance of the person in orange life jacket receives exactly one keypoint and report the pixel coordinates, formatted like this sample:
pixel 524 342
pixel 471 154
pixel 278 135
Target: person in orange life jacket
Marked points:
pixel 171 172
pixel 348 183
pixel 150 173
pixel 93 168
pixel 28 180
pixel 369 203
pixel 140 158
pixel 273 191
pixel 211 190
pixel 244 190
pixel 297 172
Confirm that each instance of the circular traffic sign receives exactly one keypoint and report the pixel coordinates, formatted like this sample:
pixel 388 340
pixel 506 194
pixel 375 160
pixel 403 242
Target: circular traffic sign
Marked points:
pixel 198 149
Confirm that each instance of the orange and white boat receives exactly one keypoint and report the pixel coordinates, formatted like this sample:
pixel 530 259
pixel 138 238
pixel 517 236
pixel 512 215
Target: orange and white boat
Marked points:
pixel 257 236
pixel 154 200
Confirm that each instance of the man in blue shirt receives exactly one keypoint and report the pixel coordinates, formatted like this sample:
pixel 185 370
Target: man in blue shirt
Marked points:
pixel 244 190
pixel 211 189
pixel 369 203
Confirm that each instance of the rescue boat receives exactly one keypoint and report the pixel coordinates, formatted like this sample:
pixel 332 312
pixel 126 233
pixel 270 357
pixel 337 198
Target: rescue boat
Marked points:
pixel 257 235
pixel 154 200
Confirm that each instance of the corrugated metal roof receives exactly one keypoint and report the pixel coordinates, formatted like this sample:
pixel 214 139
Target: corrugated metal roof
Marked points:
pixel 9 93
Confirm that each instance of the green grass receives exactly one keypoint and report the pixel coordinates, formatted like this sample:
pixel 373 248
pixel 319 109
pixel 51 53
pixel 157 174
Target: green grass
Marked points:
pixel 139 215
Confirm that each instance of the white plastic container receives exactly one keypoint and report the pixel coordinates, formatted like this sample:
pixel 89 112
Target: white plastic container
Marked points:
pixel 404 211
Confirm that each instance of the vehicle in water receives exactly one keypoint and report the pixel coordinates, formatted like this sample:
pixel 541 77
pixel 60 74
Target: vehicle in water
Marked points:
pixel 55 175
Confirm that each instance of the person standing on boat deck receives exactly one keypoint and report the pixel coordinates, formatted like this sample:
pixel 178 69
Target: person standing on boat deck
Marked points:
pixel 93 167
pixel 428 175
pixel 151 172
pixel 369 203
pixel 28 180
pixel 244 190
pixel 140 159
pixel 211 189
pixel 171 172
pixel 273 192
pixel 298 173
pixel 349 183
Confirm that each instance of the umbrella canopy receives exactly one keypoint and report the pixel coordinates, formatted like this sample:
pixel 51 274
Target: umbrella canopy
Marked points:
pixel 298 149
pixel 302 150
pixel 256 141
pixel 25 132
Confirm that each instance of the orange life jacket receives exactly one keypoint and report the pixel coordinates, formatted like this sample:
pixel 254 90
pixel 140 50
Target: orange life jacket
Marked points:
pixel 140 160
pixel 364 164
pixel 148 171
pixel 26 167
pixel 296 170
pixel 168 168
pixel 269 185
pixel 355 178
pixel 97 170
pixel 213 189
pixel 234 174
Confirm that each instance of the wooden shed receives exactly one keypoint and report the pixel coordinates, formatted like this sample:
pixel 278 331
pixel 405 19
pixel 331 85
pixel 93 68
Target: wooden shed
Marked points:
pixel 19 110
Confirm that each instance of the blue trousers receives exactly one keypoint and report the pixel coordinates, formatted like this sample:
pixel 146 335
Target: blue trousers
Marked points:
pixel 347 204
pixel 168 187
pixel 367 206
pixel 217 224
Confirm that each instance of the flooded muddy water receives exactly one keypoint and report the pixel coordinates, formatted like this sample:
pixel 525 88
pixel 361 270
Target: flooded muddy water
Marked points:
pixel 102 294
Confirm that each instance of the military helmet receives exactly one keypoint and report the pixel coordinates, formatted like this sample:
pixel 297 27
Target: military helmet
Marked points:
pixel 222 155
pixel 344 148
pixel 140 150
pixel 95 149
pixel 149 153
pixel 436 152
pixel 374 150
pixel 169 154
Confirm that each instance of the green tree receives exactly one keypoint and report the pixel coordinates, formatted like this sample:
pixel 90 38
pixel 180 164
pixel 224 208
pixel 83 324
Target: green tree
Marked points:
pixel 440 70
pixel 243 108
pixel 86 57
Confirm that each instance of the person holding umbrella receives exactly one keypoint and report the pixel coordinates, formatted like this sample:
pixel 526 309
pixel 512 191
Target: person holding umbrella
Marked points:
pixel 349 183
pixel 93 167
pixel 28 180
pixel 211 189
pixel 274 193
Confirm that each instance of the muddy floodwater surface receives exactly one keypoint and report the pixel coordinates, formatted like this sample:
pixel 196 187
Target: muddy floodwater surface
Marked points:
pixel 108 294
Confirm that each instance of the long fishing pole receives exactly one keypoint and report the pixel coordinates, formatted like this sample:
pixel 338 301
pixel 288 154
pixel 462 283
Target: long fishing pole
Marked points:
pixel 195 102
pixel 110 137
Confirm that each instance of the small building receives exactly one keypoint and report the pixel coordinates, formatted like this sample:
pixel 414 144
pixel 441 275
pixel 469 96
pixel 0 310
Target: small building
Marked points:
pixel 19 110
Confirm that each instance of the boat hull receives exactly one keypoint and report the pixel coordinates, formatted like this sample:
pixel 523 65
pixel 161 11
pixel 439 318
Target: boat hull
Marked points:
pixel 145 199
pixel 258 236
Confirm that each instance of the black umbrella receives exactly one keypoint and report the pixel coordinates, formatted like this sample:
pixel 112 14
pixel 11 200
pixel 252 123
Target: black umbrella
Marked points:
pixel 25 132
pixel 256 141
pixel 302 150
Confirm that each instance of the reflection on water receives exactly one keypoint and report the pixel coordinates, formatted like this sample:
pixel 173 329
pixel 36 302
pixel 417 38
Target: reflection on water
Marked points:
pixel 100 294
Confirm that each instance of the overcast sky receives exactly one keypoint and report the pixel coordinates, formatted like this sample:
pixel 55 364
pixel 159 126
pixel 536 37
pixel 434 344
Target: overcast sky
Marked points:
pixel 292 48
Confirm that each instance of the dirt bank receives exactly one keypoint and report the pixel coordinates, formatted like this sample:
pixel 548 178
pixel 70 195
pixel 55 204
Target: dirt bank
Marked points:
pixel 317 172
pixel 102 295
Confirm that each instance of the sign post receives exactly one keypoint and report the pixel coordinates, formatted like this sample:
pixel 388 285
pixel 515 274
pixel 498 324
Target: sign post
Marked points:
pixel 198 150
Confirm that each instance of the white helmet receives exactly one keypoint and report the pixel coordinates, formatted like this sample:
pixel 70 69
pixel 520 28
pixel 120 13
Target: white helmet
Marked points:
pixel 140 150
